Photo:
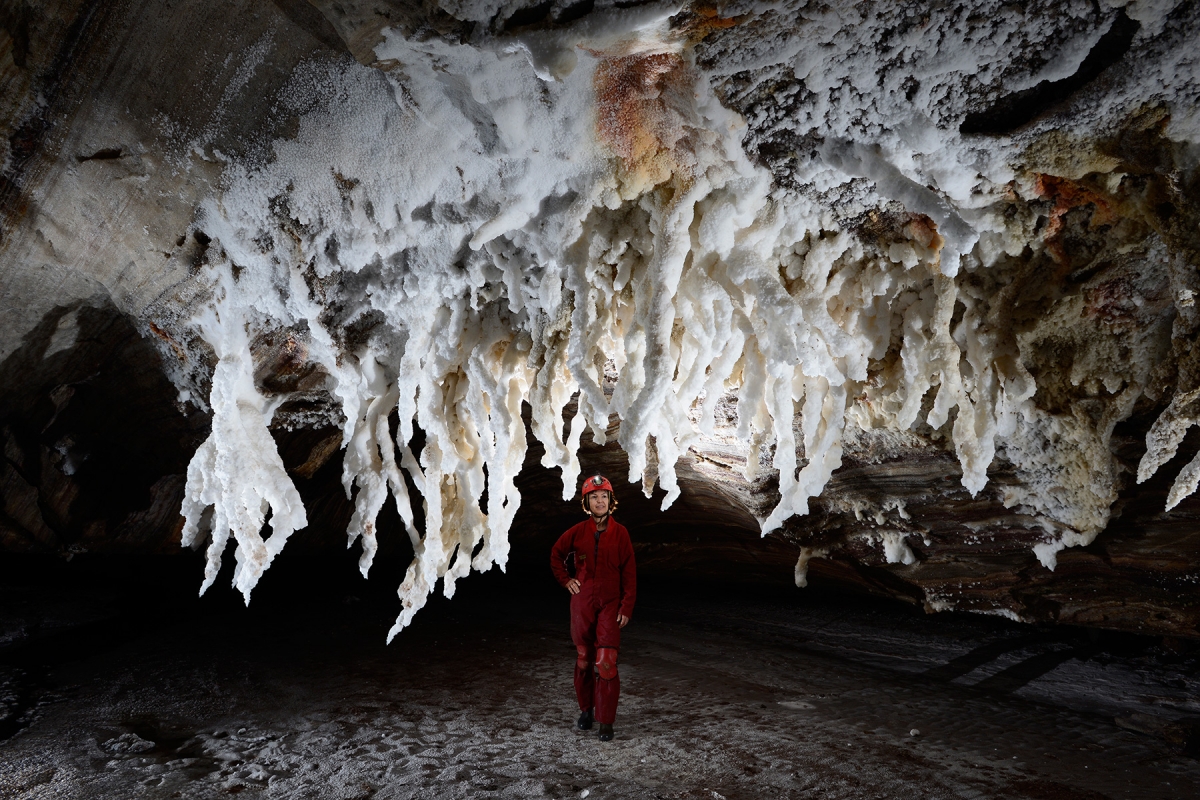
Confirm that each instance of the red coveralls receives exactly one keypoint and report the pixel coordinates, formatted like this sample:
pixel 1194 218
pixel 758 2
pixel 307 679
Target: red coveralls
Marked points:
pixel 607 586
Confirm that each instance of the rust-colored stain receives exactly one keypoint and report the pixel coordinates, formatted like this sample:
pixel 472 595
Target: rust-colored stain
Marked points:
pixel 1111 302
pixel 924 231
pixel 637 119
pixel 644 104
pixel 704 19
pixel 1067 194
pixel 166 337
pixel 646 101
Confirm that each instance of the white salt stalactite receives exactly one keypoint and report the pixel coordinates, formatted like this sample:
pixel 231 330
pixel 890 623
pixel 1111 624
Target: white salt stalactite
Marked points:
pixel 237 471
pixel 370 464
pixel 471 209
pixel 1163 440
pixel 1185 483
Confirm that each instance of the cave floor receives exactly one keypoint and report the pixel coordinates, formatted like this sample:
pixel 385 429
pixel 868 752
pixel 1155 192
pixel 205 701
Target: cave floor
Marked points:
pixel 727 692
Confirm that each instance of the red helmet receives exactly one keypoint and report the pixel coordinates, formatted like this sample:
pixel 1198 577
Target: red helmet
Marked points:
pixel 595 484
pixel 598 483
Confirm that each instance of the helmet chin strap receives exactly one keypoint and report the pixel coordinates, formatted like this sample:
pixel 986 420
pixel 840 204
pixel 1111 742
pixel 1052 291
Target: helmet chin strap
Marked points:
pixel 600 518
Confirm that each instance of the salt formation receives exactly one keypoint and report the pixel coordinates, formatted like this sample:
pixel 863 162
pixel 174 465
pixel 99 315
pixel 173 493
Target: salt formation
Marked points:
pixel 238 471
pixel 467 228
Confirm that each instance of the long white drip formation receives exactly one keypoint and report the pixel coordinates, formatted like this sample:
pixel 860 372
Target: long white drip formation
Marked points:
pixel 511 260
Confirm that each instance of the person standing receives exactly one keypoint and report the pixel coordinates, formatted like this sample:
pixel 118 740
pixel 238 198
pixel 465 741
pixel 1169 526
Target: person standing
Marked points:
pixel 602 595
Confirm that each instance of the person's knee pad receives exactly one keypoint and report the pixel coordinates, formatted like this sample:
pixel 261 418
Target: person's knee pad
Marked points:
pixel 606 662
pixel 583 657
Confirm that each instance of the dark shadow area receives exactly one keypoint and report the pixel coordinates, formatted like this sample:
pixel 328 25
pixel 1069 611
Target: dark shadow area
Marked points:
pixel 310 19
pixel 95 445
pixel 984 654
pixel 115 670
pixel 1019 675
pixel 1012 111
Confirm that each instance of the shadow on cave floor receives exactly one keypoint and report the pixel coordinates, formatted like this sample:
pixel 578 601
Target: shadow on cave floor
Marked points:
pixel 117 682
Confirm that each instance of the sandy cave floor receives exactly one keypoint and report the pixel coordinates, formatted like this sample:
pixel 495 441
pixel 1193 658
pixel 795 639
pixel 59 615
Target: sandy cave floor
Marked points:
pixel 727 692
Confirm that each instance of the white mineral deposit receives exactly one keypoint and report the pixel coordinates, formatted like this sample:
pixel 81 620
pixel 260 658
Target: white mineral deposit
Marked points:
pixel 886 299
pixel 526 215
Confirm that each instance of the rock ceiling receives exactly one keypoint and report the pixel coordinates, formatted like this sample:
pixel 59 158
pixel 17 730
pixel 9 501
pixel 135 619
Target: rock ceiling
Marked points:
pixel 910 288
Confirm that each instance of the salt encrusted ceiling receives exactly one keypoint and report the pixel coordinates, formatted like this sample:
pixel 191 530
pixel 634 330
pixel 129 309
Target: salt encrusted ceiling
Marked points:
pixel 910 288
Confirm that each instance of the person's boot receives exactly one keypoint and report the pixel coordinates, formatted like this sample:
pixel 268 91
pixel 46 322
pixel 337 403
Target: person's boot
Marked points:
pixel 606 734
pixel 584 723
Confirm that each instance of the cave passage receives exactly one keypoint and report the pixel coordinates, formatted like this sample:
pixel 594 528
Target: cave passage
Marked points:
pixel 728 691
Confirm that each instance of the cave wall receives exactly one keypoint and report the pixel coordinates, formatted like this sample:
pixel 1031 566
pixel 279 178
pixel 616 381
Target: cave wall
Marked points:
pixel 126 123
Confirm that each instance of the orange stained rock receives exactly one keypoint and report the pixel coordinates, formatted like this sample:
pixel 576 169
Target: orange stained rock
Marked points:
pixel 166 337
pixel 643 102
pixel 924 231
pixel 1067 194
pixel 637 118
pixel 705 19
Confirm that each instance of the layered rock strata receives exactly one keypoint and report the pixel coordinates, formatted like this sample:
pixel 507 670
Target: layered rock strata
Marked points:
pixel 910 289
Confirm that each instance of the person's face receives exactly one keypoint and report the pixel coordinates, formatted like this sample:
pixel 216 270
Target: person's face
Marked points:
pixel 598 503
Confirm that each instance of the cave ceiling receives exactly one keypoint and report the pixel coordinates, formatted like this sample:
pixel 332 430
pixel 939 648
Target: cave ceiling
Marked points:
pixel 909 288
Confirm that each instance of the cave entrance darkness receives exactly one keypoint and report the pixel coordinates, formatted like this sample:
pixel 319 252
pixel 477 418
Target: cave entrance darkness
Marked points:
pixel 118 681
